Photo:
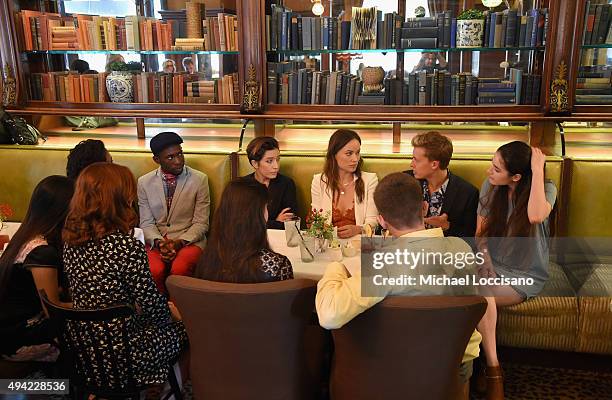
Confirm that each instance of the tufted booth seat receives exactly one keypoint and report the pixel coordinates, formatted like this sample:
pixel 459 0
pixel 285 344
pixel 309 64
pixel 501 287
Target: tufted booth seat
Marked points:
pixel 24 166
pixel 590 269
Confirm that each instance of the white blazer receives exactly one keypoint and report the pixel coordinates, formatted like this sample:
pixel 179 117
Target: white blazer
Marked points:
pixel 365 212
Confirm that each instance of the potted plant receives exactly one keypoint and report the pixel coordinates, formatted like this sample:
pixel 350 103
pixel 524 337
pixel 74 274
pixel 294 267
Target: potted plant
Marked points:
pixel 470 28
pixel 119 82
pixel 320 228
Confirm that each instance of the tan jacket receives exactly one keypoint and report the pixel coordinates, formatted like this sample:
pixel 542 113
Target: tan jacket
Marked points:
pixel 365 212
pixel 187 218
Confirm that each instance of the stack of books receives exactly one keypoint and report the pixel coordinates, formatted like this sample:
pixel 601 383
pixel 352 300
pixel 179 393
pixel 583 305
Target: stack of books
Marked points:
pixel 420 33
pixel 496 91
pixel 594 85
pixel 63 38
pixel 202 91
pixel 188 44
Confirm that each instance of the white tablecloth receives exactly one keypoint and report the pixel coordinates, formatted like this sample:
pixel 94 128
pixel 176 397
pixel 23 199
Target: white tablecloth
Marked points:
pixel 312 270
pixel 9 228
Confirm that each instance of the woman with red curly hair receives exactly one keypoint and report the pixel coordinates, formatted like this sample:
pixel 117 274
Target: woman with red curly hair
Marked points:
pixel 106 265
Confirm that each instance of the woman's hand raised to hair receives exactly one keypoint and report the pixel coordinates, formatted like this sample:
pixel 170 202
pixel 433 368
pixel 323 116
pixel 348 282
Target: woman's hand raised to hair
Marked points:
pixel 537 160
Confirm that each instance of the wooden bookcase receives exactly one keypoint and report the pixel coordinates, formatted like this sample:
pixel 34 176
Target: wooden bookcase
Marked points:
pixel 559 69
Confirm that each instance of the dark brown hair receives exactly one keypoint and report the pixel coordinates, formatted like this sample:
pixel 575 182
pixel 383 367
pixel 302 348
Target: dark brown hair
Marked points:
pixel 258 147
pixel 399 199
pixel 330 177
pixel 237 235
pixel 516 157
pixel 104 201
pixel 83 154
pixel 437 147
pixel 45 217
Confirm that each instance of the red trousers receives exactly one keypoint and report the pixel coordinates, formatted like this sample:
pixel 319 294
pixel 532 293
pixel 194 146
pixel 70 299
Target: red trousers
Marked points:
pixel 184 264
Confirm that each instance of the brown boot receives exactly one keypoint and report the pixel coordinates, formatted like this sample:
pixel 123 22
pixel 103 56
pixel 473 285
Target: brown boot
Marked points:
pixel 495 383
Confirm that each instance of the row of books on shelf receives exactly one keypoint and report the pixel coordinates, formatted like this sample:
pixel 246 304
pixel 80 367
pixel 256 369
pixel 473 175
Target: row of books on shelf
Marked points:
pixel 443 88
pixel 501 29
pixel 52 31
pixel 369 28
pixel 290 84
pixel 148 87
pixel 512 29
pixel 597 23
pixel 594 84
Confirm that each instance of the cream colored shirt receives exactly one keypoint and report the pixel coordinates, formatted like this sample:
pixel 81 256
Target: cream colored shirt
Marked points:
pixel 339 297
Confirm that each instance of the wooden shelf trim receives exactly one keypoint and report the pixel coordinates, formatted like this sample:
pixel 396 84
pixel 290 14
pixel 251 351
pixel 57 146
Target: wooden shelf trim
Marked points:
pixel 405 113
pixel 129 110
pixel 310 113
pixel 292 112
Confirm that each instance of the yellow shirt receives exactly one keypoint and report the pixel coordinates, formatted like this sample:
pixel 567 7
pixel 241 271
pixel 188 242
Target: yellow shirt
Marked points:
pixel 339 297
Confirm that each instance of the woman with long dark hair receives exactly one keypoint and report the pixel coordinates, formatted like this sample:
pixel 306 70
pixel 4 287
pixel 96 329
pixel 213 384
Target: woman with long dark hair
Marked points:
pixel 32 262
pixel 238 250
pixel 106 265
pixel 343 189
pixel 513 231
pixel 264 157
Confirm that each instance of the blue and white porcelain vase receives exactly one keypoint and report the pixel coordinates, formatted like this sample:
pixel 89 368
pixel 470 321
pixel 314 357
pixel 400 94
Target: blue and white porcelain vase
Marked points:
pixel 470 32
pixel 120 87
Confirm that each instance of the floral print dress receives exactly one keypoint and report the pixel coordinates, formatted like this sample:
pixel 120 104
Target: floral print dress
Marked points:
pixel 115 271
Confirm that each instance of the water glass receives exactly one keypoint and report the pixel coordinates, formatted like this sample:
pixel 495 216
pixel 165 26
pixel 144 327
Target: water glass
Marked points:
pixel 307 249
pixel 292 231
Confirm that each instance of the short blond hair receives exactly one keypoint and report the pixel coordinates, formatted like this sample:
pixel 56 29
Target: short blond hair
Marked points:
pixel 437 147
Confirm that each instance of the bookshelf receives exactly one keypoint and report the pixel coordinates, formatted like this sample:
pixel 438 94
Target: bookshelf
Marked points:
pixel 48 36
pixel 591 75
pixel 562 47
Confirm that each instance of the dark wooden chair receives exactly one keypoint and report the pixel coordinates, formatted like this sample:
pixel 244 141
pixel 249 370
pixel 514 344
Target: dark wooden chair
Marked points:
pixel 407 348
pixel 100 361
pixel 251 341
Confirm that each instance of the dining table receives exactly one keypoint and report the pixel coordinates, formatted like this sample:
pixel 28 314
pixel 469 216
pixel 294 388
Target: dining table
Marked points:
pixel 316 268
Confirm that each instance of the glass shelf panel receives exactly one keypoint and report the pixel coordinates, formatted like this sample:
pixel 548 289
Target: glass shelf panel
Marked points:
pixel 130 52
pixel 433 50
pixel 597 46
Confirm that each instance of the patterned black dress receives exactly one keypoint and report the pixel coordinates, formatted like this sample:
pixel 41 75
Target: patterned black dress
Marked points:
pixel 267 265
pixel 115 271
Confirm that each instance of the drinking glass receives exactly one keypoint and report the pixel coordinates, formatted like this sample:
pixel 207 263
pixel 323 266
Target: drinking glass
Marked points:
pixel 292 231
pixel 307 248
